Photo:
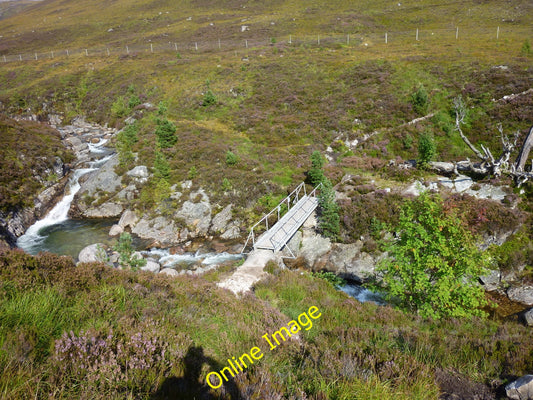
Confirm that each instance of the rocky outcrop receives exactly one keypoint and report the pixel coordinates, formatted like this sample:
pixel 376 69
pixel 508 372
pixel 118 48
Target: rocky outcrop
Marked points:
pixel 94 186
pixel 196 212
pixel 521 389
pixel 521 294
pixel 128 219
pixel 160 229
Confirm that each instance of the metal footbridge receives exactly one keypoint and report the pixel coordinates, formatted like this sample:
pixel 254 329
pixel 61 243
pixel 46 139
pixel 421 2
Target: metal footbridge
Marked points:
pixel 288 216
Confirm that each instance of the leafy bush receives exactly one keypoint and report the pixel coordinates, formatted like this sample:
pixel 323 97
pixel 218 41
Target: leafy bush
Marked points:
pixel 420 100
pixel 434 264
pixel 330 277
pixel 426 150
pixel 125 249
pixel 166 133
pixel 119 108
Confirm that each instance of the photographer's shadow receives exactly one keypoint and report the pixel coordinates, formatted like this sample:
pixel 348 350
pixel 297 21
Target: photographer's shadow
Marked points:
pixel 190 387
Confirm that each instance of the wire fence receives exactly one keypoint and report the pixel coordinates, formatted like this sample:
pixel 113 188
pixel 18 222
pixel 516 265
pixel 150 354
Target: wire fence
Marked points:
pixel 478 36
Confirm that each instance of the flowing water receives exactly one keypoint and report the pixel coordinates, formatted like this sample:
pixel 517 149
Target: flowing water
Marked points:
pixel 58 234
pixel 363 295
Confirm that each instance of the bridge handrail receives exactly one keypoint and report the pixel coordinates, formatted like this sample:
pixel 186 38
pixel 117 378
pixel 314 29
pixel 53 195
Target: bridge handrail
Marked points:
pixel 295 193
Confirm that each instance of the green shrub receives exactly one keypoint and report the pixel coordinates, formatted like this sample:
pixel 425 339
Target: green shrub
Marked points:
pixel 328 214
pixel 166 133
pixel 316 172
pixel 420 100
pixel 134 101
pixel 125 249
pixel 161 166
pixel 426 150
pixel 330 277
pixel 119 108
pixel 434 264
pixel 231 158
pixel 526 48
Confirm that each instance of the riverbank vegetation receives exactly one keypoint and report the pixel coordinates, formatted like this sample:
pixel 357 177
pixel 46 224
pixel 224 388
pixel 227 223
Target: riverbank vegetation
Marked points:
pixel 29 155
pixel 72 332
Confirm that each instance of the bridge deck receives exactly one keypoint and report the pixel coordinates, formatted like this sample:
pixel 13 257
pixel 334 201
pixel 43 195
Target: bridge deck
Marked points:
pixel 276 237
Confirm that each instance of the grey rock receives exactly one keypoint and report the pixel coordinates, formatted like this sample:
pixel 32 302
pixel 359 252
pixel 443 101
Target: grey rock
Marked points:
pixel 139 173
pixel 169 272
pixel 521 294
pixel 489 192
pixel 446 182
pixel 463 183
pixel 186 185
pixel 104 179
pixel 233 232
pixel 128 218
pixel 528 317
pixel 197 215
pixel 221 220
pixel 128 193
pixel 491 281
pixel 361 268
pixel 521 389
pixel 93 253
pixel 106 210
pixel 160 228
pixel 313 248
pixel 151 266
pixel 116 230
pixel 415 189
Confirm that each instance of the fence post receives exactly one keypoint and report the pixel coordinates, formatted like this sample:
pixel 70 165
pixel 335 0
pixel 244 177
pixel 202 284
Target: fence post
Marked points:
pixel 176 46
pixel 457 33
pixel 498 33
pixel 196 45
pixel 36 56
pixel 386 38
pixel 127 50
pixel 219 43
pixel 246 43
pixel 107 51
pixel 151 48
pixel 68 53
pixel 86 52
pixel 416 34
pixel 52 54
pixel 290 39
pixel 348 39
pixel 20 57
pixel 318 40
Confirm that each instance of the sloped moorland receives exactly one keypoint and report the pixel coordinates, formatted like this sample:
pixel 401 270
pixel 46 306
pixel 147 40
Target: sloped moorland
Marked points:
pixel 246 122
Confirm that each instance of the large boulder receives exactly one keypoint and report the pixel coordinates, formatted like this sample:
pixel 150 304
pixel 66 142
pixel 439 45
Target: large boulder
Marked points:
pixel 102 181
pixel 159 229
pixel 128 218
pixel 106 210
pixel 116 230
pixel 521 389
pixel 151 266
pixel 521 294
pixel 93 253
pixel 313 248
pixel 221 220
pixel 491 281
pixel 196 213
pixel 139 173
